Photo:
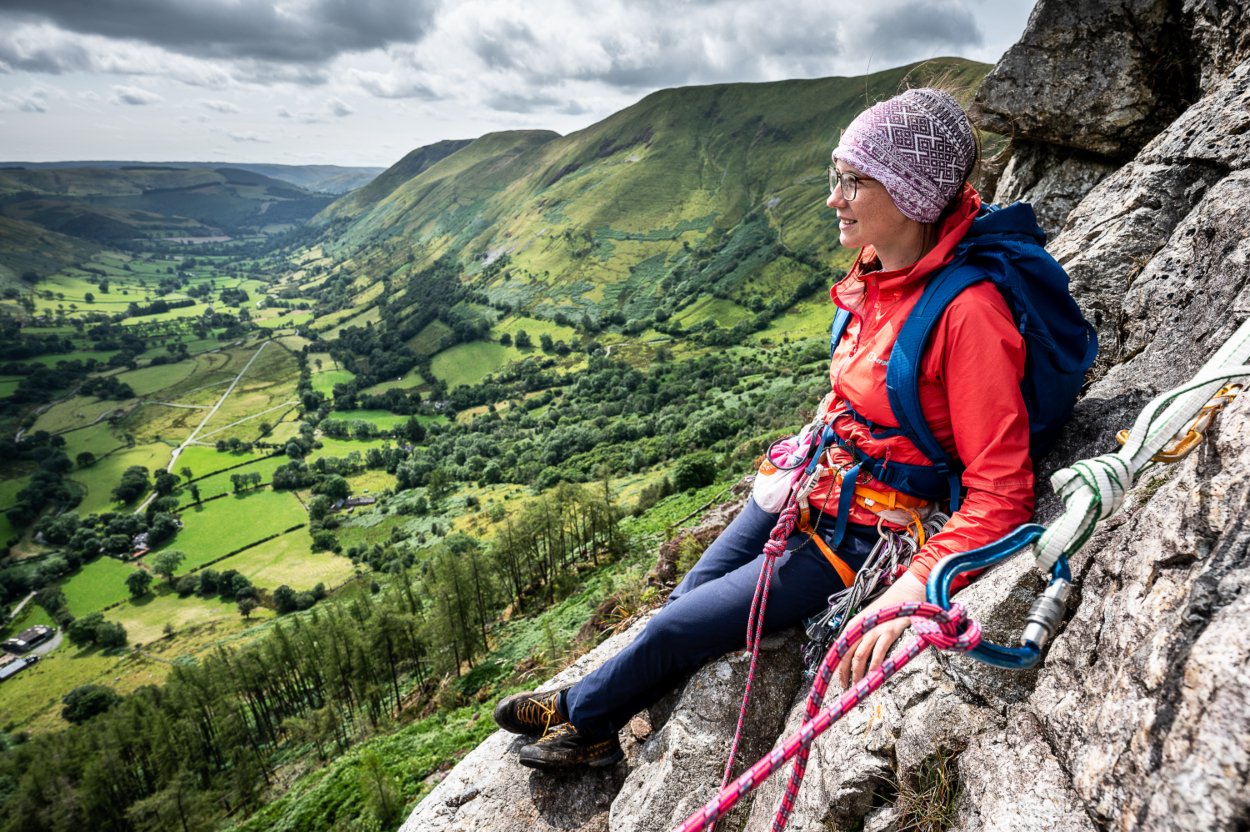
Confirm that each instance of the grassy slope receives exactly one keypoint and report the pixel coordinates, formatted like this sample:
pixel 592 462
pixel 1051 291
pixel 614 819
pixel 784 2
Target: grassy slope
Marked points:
pixel 30 248
pixel 360 200
pixel 594 219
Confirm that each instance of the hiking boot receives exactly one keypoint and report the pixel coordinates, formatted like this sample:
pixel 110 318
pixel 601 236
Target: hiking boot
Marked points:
pixel 529 713
pixel 563 747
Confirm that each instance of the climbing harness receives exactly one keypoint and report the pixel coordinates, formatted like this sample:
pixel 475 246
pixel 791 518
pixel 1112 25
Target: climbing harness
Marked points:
pixel 1091 490
pixel 887 561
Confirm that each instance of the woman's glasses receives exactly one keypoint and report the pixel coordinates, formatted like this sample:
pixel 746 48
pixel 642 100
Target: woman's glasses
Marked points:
pixel 848 181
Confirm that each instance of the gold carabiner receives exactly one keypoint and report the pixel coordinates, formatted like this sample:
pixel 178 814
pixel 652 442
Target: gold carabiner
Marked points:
pixel 1193 435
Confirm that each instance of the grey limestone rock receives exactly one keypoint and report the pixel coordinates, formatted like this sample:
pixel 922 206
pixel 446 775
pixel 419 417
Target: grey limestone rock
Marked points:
pixel 1219 33
pixel 1052 179
pixel 1143 697
pixel 1096 76
pixel 679 768
pixel 1012 782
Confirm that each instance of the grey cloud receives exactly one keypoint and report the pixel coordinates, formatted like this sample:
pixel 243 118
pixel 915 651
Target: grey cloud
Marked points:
pixel 926 27
pixel 386 86
pixel 497 47
pixel 308 31
pixel 680 62
pixel 64 57
pixel 268 72
pixel 247 138
pixel 32 102
pixel 515 102
pixel 219 106
pixel 338 108
pixel 134 97
pixel 678 51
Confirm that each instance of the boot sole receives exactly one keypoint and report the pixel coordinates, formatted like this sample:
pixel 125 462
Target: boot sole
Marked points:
pixel 599 762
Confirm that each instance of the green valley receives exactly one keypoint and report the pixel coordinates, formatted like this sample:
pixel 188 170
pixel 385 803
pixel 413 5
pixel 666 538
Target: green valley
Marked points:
pixel 306 483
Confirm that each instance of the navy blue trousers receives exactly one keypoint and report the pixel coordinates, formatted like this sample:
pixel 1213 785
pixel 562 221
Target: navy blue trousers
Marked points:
pixel 706 616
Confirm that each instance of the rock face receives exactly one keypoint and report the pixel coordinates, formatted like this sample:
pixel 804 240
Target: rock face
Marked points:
pixel 1139 716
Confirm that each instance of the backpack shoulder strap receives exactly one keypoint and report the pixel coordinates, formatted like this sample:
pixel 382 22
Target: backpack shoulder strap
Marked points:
pixel 903 372
pixel 840 321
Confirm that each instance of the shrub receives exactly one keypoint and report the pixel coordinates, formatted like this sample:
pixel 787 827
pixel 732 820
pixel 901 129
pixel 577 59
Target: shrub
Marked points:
pixel 694 471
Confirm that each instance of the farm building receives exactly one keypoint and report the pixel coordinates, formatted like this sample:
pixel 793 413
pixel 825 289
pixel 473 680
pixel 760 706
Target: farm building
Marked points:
pixel 28 638
pixel 14 667
pixel 352 502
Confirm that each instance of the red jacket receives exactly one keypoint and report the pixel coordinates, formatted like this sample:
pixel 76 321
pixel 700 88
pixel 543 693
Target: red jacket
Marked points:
pixel 969 390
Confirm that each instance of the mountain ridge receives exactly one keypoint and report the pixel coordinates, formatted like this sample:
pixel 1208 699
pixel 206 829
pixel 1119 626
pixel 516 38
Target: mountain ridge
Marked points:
pixel 597 219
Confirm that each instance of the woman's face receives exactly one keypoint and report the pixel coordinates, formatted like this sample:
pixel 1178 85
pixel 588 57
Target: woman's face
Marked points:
pixel 871 218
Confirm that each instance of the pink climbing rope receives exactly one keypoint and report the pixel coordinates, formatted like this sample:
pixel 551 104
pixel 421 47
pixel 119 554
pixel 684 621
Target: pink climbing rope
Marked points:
pixel 940 628
pixel 773 549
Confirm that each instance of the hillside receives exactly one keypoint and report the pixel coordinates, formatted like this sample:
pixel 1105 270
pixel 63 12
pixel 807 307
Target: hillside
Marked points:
pixel 32 249
pixel 382 185
pixel 119 204
pixel 604 220
pixel 328 179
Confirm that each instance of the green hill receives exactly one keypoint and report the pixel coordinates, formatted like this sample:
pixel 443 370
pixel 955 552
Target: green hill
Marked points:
pixel 415 163
pixel 692 191
pixel 31 249
pixel 328 179
pixel 110 204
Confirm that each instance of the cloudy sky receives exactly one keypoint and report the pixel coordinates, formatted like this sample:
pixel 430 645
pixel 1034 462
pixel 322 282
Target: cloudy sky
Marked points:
pixel 362 82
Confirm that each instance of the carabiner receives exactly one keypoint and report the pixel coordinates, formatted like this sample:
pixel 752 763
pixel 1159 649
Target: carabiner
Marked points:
pixel 1045 615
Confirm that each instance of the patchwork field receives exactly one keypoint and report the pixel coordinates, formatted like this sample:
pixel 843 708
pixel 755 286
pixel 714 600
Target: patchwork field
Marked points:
pixel 96 585
pixel 468 364
pixel 289 560
pixel 203 460
pixel 102 477
pixel 77 412
pixel 380 419
pixel 408 381
pixel 147 618
pixel 222 526
pixel 323 382
pixel 220 483
pixel 98 439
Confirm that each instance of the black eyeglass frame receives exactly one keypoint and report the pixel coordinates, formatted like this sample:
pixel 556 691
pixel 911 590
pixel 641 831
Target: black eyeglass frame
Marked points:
pixel 848 181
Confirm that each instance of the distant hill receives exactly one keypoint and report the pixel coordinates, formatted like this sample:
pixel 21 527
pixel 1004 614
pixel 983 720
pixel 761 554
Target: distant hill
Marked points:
pixel 328 179
pixel 26 248
pixel 712 191
pixel 396 175
pixel 110 205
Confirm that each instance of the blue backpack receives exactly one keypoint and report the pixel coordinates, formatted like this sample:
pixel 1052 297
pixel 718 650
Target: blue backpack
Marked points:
pixel 1004 245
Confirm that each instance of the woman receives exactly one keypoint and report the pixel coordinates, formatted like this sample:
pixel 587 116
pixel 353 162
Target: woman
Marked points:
pixel 899 187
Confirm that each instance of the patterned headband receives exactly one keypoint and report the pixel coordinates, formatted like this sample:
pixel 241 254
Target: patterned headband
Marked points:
pixel 919 145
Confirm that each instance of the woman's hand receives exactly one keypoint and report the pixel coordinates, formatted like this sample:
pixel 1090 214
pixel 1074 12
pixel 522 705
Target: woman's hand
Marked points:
pixel 872 649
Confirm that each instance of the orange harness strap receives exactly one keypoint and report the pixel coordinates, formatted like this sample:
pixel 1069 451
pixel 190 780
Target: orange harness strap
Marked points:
pixel 845 572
